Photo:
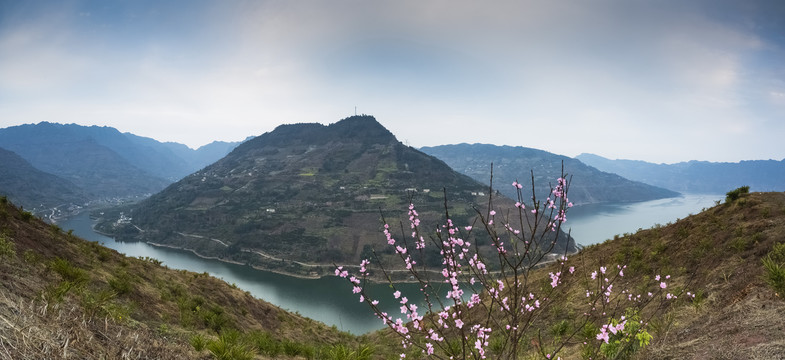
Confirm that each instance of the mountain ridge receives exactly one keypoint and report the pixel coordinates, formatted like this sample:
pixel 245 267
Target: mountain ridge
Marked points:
pixel 697 176
pixel 589 185
pixel 105 164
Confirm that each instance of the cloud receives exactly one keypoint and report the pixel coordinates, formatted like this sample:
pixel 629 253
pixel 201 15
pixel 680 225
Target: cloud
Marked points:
pixel 618 78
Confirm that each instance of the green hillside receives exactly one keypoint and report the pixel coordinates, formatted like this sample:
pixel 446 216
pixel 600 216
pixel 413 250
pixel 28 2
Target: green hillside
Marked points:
pixel 301 195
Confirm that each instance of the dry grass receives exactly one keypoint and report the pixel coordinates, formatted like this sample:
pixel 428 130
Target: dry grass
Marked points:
pixel 64 297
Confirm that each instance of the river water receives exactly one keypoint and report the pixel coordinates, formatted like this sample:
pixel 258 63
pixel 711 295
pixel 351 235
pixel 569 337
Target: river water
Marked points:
pixel 330 299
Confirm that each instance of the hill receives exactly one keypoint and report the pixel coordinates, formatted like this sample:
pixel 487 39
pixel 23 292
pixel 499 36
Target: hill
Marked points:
pixel 35 189
pixel 718 253
pixel 512 163
pixel 700 177
pixel 64 297
pixel 301 194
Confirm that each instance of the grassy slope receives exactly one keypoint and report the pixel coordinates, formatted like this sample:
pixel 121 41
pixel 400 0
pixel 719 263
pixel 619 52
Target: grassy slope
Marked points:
pixel 61 296
pixel 716 253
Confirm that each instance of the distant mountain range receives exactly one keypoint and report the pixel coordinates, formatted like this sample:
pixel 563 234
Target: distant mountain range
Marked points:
pixel 101 161
pixel 589 185
pixel 303 192
pixel 697 176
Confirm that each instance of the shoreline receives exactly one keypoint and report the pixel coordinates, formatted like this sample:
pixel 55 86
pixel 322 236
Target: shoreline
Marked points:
pixel 329 268
pixel 300 276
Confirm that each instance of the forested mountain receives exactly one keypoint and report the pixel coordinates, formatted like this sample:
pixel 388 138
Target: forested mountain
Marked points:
pixel 697 176
pixel 589 185
pixel 102 161
pixel 304 192
pixel 34 189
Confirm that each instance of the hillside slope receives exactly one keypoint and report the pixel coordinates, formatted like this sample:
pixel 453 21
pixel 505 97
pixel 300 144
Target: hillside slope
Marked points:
pixel 716 254
pixel 701 177
pixel 516 163
pixel 104 162
pixel 64 297
pixel 302 193
pixel 35 189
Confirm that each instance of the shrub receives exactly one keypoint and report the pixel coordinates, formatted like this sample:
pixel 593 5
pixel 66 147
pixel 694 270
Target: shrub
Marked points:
pixel 734 194
pixel 121 283
pixel 775 274
pixel 229 347
pixel 198 341
pixel 265 344
pixel 26 216
pixel 7 247
pixel 68 272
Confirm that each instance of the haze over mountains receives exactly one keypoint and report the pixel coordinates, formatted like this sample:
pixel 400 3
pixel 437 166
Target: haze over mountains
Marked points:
pixel 589 185
pixel 701 177
pixel 31 187
pixel 102 162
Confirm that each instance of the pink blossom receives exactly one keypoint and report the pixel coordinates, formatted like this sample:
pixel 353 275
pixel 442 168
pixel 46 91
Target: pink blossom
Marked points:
pixel 459 323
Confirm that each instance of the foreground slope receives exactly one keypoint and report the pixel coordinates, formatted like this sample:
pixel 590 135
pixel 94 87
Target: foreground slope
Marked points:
pixel 510 163
pixel 64 297
pixel 302 193
pixel 716 254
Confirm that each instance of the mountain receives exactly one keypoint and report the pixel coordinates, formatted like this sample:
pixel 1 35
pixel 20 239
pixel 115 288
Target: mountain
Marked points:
pixel 204 155
pixel 35 189
pixel 304 192
pixel 701 177
pixel 589 185
pixel 104 162
pixel 64 297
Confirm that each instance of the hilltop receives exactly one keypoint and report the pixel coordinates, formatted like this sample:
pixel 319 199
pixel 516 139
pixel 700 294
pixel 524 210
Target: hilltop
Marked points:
pixel 511 163
pixel 62 296
pixel 302 195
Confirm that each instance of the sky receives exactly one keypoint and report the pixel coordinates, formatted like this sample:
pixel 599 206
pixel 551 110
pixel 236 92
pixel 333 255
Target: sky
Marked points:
pixel 662 81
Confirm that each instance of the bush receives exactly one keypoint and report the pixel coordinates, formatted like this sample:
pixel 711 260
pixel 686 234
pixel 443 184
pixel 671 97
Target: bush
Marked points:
pixel 121 283
pixel 775 269
pixel 7 247
pixel 198 341
pixel 26 216
pixel 265 344
pixel 733 195
pixel 69 272
pixel 229 347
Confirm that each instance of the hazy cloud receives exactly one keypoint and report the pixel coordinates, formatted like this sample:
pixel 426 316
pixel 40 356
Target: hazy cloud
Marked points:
pixel 660 81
